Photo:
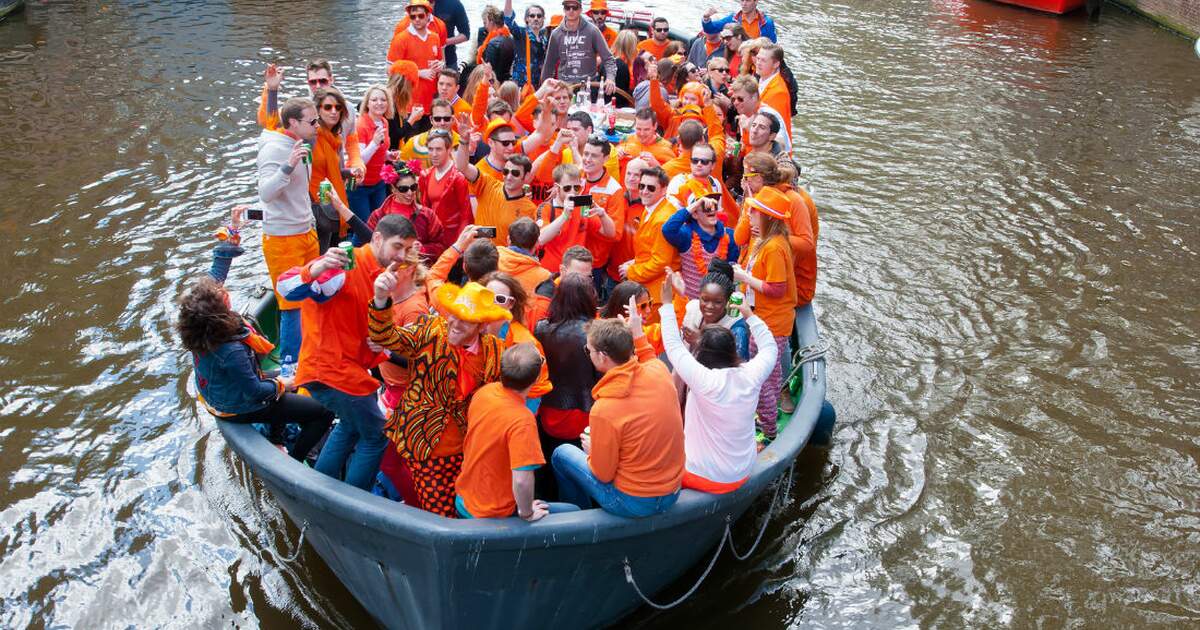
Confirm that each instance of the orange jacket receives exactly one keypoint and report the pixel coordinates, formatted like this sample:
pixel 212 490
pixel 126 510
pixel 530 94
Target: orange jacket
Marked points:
pixel 652 254
pixel 526 269
pixel 775 94
pixel 636 427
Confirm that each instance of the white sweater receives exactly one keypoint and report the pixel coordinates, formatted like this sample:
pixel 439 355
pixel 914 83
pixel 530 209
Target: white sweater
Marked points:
pixel 718 424
pixel 287 209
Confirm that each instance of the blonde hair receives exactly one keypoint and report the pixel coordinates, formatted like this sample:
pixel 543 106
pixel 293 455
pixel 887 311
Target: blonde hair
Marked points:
pixel 473 81
pixel 362 107
pixel 772 227
pixel 510 93
pixel 625 46
pixel 563 171
pixel 399 95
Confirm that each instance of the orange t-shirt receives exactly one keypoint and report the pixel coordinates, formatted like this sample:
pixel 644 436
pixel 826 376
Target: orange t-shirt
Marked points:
pixel 502 437
pixel 773 263
pixel 606 193
pixel 575 232
pixel 653 47
pixel 421 52
pixel 495 208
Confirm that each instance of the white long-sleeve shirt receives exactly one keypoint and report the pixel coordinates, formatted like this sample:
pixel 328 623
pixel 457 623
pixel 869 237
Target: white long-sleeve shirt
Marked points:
pixel 718 424
pixel 287 209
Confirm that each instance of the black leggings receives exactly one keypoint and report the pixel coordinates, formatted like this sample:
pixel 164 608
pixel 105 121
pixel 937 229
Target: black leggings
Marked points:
pixel 314 420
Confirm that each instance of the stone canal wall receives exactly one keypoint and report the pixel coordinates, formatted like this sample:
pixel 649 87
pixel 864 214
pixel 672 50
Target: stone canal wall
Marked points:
pixel 1179 15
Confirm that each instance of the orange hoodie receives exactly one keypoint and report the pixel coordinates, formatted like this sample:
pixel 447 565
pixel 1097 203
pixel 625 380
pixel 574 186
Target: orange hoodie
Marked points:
pixel 652 253
pixel 636 426
pixel 526 269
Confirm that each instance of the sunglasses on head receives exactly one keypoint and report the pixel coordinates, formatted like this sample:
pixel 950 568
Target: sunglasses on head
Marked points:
pixel 404 189
pixel 514 172
pixel 505 300
pixel 702 161
pixel 442 118
pixel 648 187
pixel 506 143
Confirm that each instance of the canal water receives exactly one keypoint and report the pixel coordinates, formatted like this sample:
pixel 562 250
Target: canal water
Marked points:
pixel 1008 279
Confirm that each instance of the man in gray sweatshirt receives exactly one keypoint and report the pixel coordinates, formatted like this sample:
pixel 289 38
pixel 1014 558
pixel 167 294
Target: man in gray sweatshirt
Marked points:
pixel 574 47
pixel 289 239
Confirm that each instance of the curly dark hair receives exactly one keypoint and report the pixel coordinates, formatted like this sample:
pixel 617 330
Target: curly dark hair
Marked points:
pixel 205 319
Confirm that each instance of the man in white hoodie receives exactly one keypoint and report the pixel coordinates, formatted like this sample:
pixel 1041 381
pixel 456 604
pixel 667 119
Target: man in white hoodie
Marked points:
pixel 289 239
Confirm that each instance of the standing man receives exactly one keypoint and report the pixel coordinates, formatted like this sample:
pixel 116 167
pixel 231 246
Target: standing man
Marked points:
pixel 598 13
pixel 563 224
pixel 606 193
pixel 574 47
pixel 706 47
pixel 772 89
pixel 652 254
pixel 289 238
pixel 423 47
pixel 656 44
pixel 754 22
pixel 744 94
pixel 335 360
pixel 495 45
pixel 441 117
pixel 531 43
pixel 499 201
pixel 319 74
pixel 458 27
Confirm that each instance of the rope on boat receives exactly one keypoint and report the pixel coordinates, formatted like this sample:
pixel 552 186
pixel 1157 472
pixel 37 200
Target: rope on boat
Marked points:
pixel 726 536
pixel 299 545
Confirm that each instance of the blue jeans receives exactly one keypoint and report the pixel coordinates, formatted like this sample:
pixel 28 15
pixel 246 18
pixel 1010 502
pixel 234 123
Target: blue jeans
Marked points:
pixel 552 508
pixel 366 199
pixel 603 284
pixel 357 437
pixel 289 335
pixel 577 484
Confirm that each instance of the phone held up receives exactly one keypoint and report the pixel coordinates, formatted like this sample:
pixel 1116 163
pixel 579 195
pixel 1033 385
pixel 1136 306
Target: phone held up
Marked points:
pixel 485 232
pixel 254 214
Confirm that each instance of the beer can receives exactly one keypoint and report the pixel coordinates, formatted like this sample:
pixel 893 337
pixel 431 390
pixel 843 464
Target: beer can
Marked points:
pixel 351 183
pixel 735 148
pixel 348 247
pixel 323 192
pixel 307 154
pixel 736 299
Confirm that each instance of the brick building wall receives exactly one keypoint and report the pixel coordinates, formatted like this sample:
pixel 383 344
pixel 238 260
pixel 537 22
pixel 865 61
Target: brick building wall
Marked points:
pixel 1180 15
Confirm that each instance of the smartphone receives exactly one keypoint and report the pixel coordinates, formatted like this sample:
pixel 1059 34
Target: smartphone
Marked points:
pixel 581 201
pixel 485 232
pixel 254 215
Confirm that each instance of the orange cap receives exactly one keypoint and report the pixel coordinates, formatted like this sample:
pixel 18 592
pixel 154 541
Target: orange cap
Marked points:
pixel 696 88
pixel 772 202
pixel 598 5
pixel 495 125
pixel 419 4
pixel 406 69
pixel 691 190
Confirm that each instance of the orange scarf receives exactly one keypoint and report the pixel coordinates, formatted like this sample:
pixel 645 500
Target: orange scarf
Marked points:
pixel 258 343
pixel 326 164
pixel 500 32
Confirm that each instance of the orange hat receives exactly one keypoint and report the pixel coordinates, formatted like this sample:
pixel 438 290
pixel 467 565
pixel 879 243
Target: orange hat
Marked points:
pixel 691 190
pixel 598 5
pixel 772 202
pixel 406 69
pixel 495 125
pixel 555 20
pixel 694 87
pixel 690 112
pixel 473 303
pixel 419 4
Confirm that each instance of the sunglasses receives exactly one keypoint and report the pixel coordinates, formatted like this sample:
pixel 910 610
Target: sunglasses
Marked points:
pixel 572 7
pixel 534 16
pixel 329 106
pixel 318 82
pixel 749 174
pixel 404 189
pixel 418 16
pixel 571 188
pixel 726 38
pixel 661 30
pixel 442 118
pixel 514 172
pixel 506 143
pixel 648 187
pixel 505 300
pixel 725 70
pixel 314 122
pixel 738 99
pixel 702 161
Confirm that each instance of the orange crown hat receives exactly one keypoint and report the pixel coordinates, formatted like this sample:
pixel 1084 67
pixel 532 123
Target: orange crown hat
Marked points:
pixel 598 5
pixel 495 125
pixel 419 4
pixel 772 202
pixel 472 303
pixel 696 88
pixel 406 69
pixel 691 190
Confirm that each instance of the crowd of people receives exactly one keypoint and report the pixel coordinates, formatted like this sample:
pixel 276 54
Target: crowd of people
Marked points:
pixel 475 280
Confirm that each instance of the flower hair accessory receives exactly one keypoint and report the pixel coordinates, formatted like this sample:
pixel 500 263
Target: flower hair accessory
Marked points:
pixel 388 174
pixel 414 167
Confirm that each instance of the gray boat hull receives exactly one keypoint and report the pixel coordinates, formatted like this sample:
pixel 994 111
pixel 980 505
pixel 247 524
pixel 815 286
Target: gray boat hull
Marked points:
pixel 412 569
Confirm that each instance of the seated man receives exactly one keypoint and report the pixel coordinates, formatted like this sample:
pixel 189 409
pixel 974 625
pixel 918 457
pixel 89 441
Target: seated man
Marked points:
pixel 632 459
pixel 502 448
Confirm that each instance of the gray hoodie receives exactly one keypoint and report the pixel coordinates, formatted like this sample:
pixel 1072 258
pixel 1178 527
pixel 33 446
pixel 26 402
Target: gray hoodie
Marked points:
pixel 286 207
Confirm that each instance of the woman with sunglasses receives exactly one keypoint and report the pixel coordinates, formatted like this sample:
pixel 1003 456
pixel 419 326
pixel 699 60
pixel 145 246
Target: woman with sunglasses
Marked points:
pixel 405 200
pixel 327 164
pixel 512 296
pixel 372 130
